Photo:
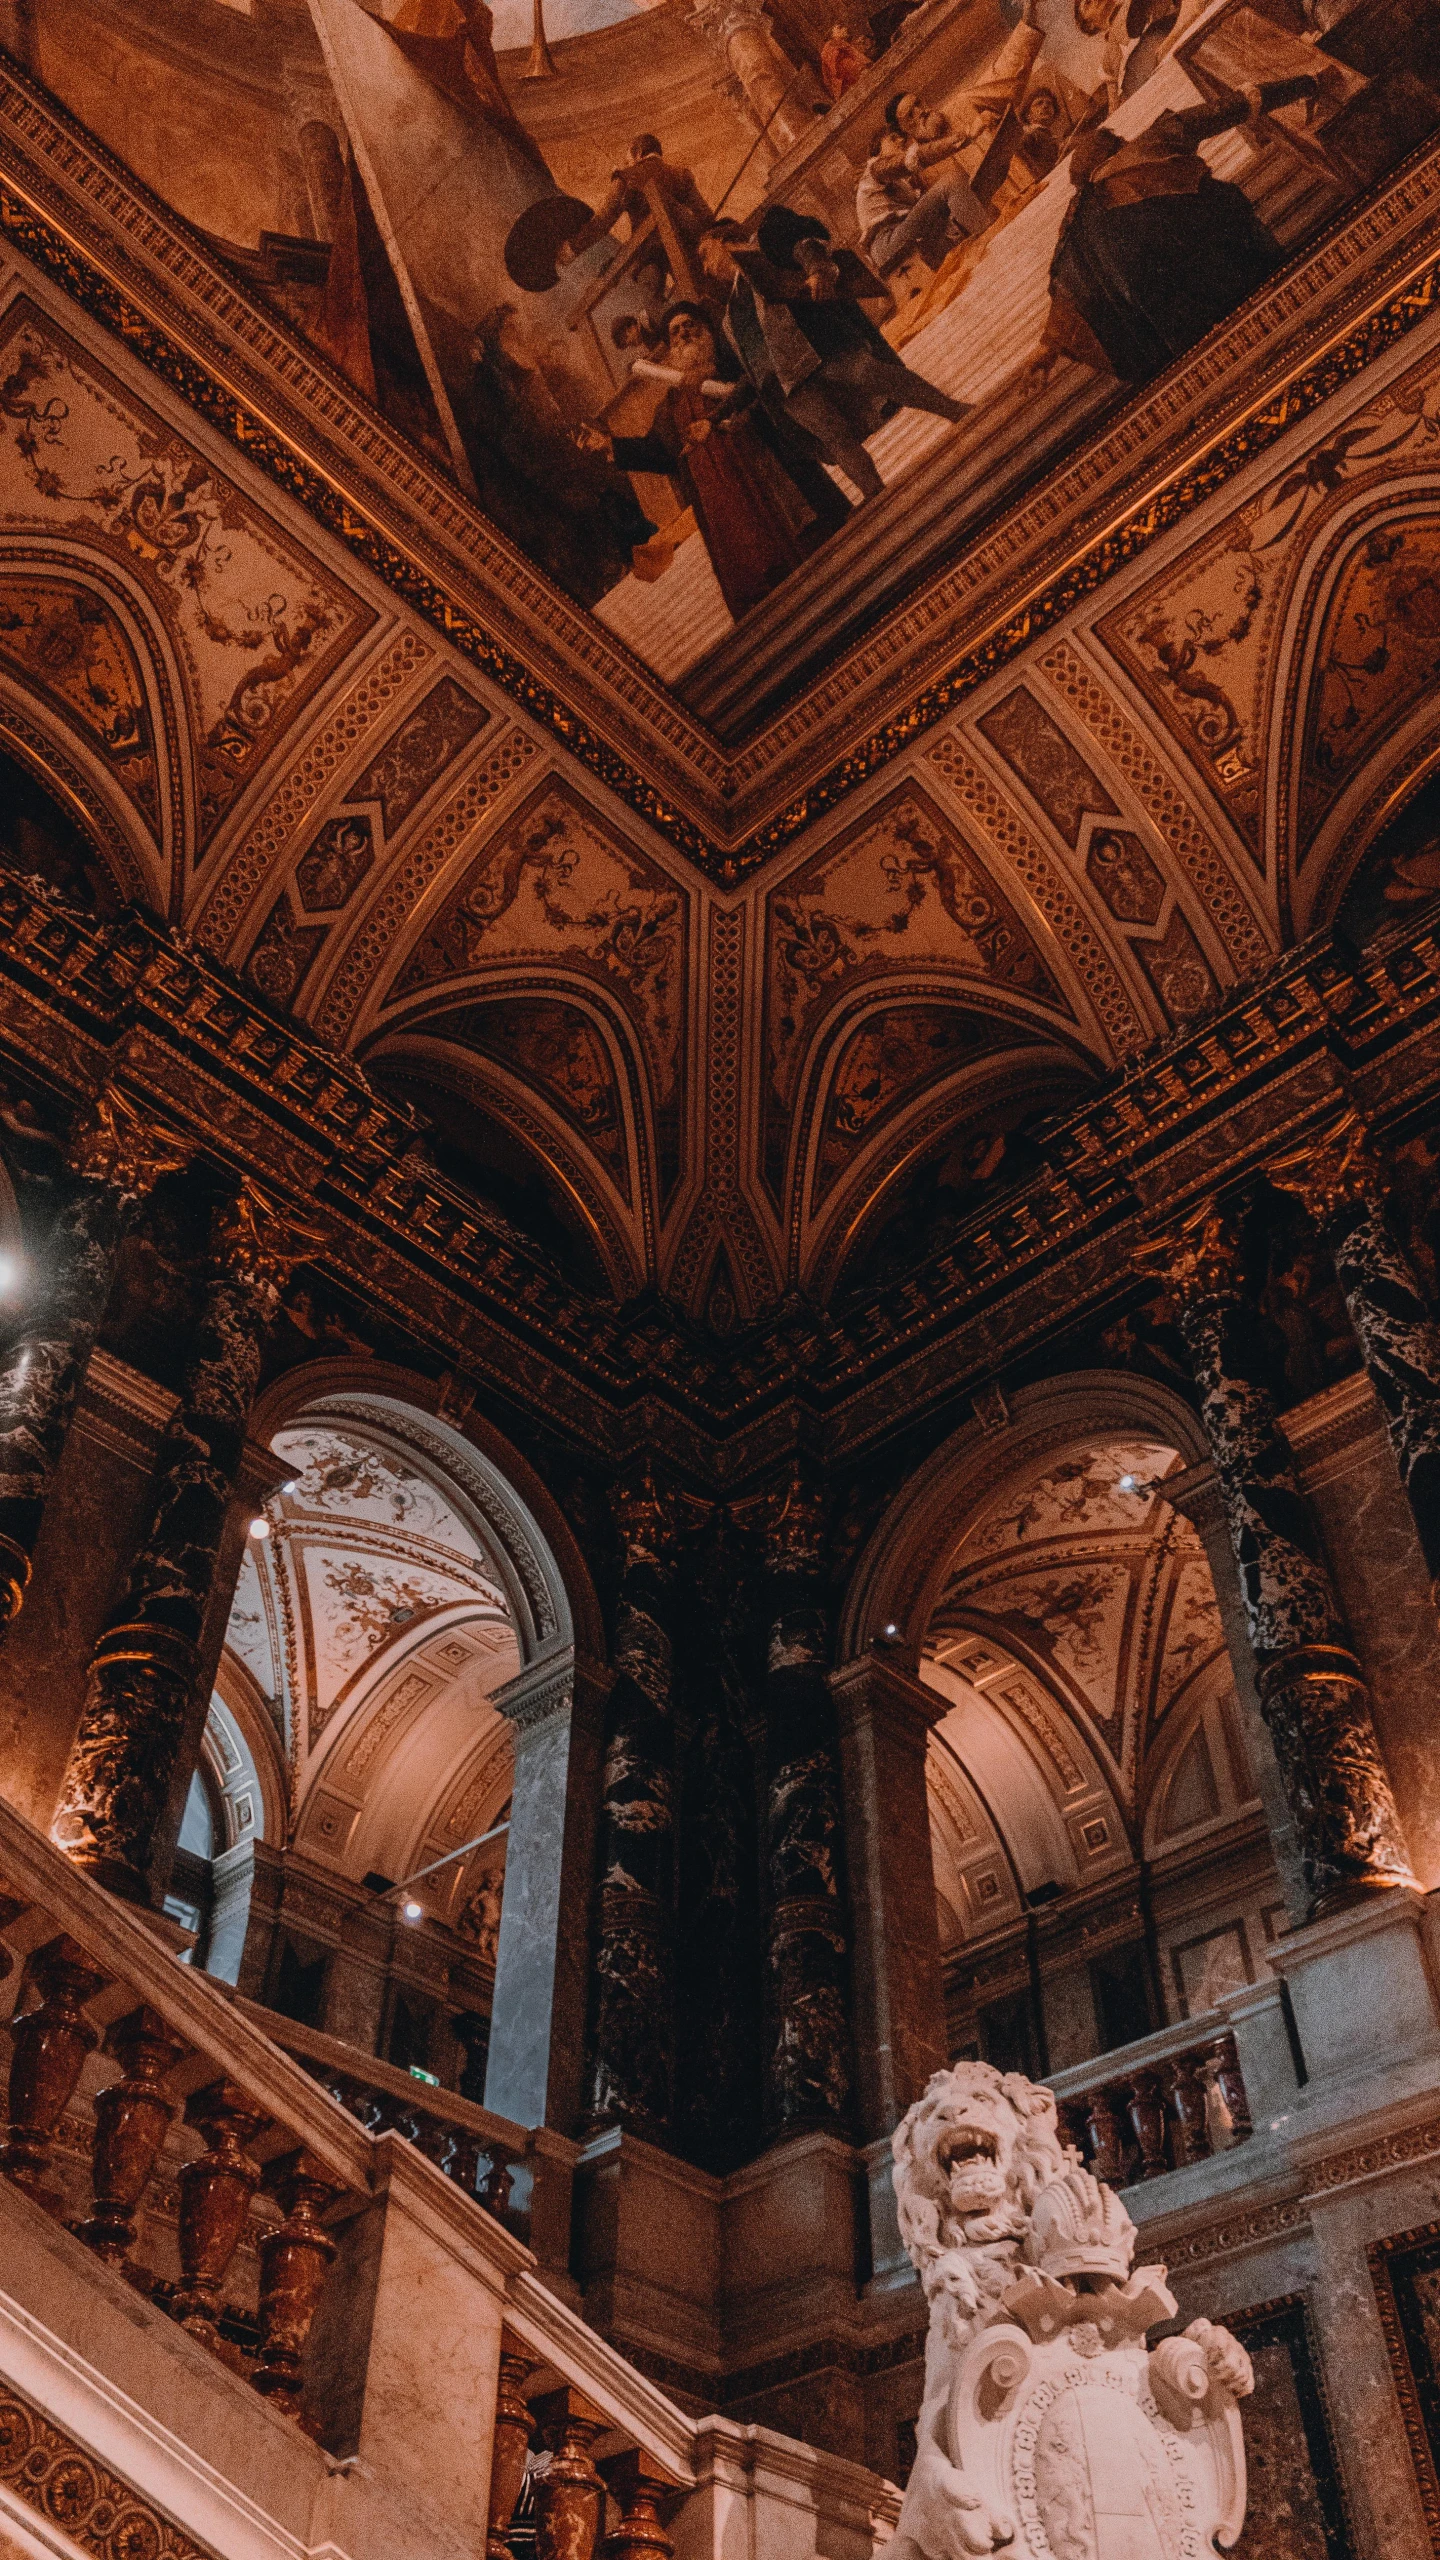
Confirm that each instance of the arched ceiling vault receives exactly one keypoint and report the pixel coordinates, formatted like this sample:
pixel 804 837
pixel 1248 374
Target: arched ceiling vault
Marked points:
pixel 720 1081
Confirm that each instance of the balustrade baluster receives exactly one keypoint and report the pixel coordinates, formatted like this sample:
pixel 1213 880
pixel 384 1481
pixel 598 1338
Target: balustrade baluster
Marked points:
pixel 463 2164
pixel 1188 2113
pixel 494 2188
pixel 294 2258
pixel 1231 2084
pixel 215 2193
pixel 1103 2126
pixel 1146 2111
pixel 514 2426
pixel 132 2118
pixel 50 2044
pixel 638 2490
pixel 570 2494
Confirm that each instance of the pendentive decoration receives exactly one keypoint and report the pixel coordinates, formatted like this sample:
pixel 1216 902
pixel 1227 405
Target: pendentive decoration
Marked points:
pixel 808 2077
pixel 632 2078
pixel 1344 1190
pixel 1312 1692
pixel 116 1157
pixel 146 1663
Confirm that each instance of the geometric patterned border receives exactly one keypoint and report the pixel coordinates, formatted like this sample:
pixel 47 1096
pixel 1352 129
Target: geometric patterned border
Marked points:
pixel 60 2480
pixel 1394 2265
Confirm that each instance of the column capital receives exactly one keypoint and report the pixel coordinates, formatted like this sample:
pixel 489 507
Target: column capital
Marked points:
pixel 794 1521
pixel 877 1682
pixel 1196 1254
pixel 550 1686
pixel 644 1516
pixel 259 1239
pixel 1332 1170
pixel 121 1144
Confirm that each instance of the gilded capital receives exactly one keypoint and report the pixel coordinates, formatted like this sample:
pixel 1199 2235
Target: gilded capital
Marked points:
pixel 260 1240
pixel 118 1143
pixel 643 1517
pixel 1196 1256
pixel 795 1523
pixel 1331 1170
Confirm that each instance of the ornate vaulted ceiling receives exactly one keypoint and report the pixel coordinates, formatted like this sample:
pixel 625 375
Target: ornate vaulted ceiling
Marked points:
pixel 726 1019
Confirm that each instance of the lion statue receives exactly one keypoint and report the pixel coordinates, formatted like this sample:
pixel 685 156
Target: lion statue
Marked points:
pixel 1025 2260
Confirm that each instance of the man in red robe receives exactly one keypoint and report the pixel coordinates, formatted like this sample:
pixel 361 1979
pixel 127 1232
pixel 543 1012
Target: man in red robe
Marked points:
pixel 756 524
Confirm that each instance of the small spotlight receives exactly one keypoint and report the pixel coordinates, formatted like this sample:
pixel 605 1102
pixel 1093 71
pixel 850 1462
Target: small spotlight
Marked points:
pixel 10 1273
pixel 292 1487
pixel 412 1911
pixel 1127 1484
pixel 259 1526
pixel 892 1629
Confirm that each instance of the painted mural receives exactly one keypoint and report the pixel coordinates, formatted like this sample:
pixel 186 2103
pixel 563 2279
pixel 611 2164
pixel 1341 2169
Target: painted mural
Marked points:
pixel 685 294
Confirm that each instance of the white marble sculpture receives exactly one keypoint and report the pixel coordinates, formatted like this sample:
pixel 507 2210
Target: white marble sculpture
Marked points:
pixel 1046 2423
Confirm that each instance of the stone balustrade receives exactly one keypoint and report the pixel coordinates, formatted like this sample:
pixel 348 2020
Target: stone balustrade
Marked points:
pixel 1160 2104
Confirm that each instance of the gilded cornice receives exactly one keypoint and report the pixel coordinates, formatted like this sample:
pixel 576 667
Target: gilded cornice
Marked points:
pixel 128 1005
pixel 78 217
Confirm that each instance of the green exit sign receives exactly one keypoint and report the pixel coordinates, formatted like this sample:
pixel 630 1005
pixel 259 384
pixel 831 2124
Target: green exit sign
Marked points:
pixel 430 2078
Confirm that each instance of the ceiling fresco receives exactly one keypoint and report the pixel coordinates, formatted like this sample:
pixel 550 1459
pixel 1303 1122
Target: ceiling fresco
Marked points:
pixel 370 1627
pixel 950 237
pixel 1078 1640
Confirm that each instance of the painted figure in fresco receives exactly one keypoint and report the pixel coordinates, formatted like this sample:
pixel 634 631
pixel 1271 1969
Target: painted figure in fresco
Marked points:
pixel 745 351
pixel 1155 249
pixel 838 377
pixel 646 177
pixel 844 59
pixel 453 43
pixel 982 106
pixel 570 509
pixel 900 215
pixel 753 516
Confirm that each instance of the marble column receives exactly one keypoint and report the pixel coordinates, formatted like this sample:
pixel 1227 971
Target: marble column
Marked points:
pixel 140 1697
pixel 885 1715
pixel 1312 1692
pixel 632 2074
pixel 808 2061
pixel 116 1158
pixel 780 97
pixel 534 2072
pixel 1343 1188
pixel 718 2012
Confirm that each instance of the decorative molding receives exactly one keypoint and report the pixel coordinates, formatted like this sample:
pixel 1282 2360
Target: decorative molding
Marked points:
pixel 64 2483
pixel 1380 2258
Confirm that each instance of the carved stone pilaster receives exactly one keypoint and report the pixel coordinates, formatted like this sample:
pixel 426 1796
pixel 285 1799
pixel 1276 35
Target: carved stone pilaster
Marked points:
pixel 1312 1692
pixel 115 1159
pixel 632 2076
pixel 778 96
pixel 808 2074
pixel 145 1665
pixel 1344 1188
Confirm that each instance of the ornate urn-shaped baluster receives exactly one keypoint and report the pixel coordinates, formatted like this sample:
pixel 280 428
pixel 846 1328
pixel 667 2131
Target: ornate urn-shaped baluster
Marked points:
pixel 50 2044
pixel 132 2118
pixel 1147 2116
pixel 215 2193
pixel 1107 2157
pixel 570 2495
pixel 638 2491
pixel 514 2426
pixel 494 2188
pixel 294 2258
pixel 1230 2081
pixel 1189 2113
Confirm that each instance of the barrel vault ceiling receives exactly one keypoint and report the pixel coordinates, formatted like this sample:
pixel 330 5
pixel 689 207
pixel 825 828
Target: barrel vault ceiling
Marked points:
pixel 731 1016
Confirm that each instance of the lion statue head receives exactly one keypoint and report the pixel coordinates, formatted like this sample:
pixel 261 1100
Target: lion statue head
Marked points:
pixel 971 2157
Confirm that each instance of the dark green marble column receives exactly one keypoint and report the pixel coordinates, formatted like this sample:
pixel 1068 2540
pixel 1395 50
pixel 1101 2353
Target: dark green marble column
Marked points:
pixel 632 2076
pixel 139 1695
pixel 1344 1189
pixel 116 1158
pixel 1312 1692
pixel 808 2057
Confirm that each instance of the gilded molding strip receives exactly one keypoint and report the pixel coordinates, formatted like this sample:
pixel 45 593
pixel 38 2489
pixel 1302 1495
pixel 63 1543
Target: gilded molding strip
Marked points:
pixel 69 2488
pixel 1378 2259
pixel 46 248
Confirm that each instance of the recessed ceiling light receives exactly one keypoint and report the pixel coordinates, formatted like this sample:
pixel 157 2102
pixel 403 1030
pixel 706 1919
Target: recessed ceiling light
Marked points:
pixel 412 1910
pixel 259 1526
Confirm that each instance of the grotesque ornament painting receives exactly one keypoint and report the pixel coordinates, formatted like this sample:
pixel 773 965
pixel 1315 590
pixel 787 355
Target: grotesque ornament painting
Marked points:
pixel 1045 2422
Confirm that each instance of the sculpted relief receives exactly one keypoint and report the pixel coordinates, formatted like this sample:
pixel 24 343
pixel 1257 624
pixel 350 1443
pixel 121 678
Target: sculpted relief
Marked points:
pixel 1046 2423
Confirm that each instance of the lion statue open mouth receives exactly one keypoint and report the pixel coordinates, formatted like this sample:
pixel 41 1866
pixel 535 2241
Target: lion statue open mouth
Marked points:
pixel 1041 2399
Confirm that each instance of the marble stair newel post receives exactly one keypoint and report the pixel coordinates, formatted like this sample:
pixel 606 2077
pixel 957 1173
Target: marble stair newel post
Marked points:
pixel 115 1159
pixel 632 2078
pixel 1343 1188
pixel 1312 1692
pixel 145 1666
pixel 808 2075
